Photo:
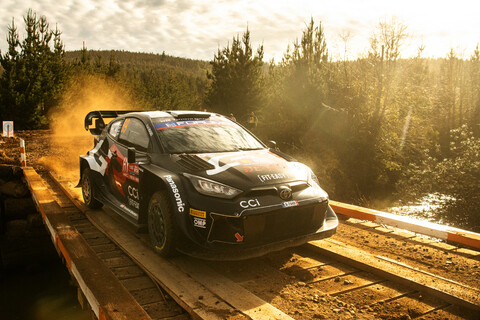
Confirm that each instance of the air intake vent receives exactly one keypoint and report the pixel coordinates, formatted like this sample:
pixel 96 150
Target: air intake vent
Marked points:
pixel 194 163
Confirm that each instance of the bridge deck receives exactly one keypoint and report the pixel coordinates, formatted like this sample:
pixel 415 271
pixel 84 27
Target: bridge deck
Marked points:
pixel 120 277
pixel 107 297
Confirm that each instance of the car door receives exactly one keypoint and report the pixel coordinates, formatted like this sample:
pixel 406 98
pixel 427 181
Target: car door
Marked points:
pixel 124 177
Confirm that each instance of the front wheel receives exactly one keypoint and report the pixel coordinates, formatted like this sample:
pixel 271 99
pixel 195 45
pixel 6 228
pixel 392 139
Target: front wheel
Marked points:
pixel 88 192
pixel 161 227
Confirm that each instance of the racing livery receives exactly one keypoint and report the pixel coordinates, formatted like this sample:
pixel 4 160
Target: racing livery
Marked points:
pixel 201 184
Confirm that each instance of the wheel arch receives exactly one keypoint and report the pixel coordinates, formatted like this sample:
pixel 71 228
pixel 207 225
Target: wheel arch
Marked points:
pixel 150 184
pixel 153 179
pixel 84 163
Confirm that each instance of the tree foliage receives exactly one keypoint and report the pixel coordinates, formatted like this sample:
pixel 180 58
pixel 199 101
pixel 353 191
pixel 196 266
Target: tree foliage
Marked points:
pixel 34 72
pixel 236 78
pixel 155 81
pixel 378 128
pixel 457 176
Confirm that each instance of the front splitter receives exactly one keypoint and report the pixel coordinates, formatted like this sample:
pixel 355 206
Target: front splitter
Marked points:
pixel 238 252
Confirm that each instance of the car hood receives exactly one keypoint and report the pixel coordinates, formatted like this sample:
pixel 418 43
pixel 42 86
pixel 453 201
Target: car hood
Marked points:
pixel 243 168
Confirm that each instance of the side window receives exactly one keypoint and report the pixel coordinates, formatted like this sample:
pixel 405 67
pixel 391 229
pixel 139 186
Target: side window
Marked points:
pixel 115 128
pixel 134 134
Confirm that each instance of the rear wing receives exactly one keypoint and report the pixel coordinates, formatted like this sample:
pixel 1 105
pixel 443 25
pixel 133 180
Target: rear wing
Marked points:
pixel 99 117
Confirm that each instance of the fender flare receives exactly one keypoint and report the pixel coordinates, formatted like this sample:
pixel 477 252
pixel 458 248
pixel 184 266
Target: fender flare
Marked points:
pixel 87 161
pixel 155 178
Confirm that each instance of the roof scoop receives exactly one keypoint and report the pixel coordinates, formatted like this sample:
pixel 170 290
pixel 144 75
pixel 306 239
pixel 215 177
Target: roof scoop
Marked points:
pixel 190 114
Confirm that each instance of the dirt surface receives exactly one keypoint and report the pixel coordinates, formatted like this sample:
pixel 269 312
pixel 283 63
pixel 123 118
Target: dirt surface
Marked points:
pixel 287 279
pixel 46 150
pixel 421 252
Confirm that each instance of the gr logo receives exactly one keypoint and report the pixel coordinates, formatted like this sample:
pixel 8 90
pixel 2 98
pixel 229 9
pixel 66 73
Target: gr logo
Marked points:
pixel 252 203
pixel 133 192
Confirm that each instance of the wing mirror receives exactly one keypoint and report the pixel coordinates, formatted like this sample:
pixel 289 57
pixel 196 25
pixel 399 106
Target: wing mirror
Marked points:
pixel 131 155
pixel 272 145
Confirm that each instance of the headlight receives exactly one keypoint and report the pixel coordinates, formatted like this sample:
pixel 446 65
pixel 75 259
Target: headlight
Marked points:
pixel 303 172
pixel 313 182
pixel 212 188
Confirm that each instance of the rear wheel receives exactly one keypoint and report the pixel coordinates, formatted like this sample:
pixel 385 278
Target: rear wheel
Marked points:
pixel 88 191
pixel 161 227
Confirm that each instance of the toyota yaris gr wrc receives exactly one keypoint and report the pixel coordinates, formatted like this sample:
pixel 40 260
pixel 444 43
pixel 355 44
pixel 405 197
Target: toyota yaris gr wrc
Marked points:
pixel 201 184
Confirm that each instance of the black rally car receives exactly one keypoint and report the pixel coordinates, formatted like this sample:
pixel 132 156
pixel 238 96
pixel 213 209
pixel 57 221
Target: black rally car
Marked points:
pixel 202 184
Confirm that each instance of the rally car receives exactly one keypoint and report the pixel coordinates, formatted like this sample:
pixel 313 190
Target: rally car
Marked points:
pixel 201 184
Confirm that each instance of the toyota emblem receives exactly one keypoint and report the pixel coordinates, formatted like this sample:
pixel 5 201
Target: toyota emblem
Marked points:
pixel 285 193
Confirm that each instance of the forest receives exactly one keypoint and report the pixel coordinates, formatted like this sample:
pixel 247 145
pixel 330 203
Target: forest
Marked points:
pixel 377 130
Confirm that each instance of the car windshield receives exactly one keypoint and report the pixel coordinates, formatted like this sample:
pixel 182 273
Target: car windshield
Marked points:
pixel 204 136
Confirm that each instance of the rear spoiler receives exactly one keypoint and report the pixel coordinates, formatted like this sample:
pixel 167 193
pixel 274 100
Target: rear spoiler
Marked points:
pixel 99 117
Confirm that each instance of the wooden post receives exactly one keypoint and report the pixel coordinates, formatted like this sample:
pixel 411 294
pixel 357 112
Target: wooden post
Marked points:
pixel 23 156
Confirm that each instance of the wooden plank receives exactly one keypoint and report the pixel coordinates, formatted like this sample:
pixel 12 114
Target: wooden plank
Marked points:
pixel 233 293
pixel 188 293
pixel 205 282
pixel 208 284
pixel 442 288
pixel 105 294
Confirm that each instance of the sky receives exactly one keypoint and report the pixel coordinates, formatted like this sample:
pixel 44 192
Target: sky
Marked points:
pixel 196 29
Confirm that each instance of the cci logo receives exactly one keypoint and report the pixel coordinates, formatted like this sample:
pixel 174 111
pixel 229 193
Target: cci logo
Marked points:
pixel 133 192
pixel 252 203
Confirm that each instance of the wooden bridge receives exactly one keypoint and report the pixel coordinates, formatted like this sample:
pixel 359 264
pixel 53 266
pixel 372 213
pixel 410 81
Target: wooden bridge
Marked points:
pixel 120 277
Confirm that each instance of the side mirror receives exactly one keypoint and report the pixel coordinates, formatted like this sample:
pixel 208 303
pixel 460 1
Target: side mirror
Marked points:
pixel 131 155
pixel 272 145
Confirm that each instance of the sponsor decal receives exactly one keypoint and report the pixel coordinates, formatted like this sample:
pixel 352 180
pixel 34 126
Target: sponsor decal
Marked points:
pixel 116 166
pixel 198 213
pixel 133 203
pixel 125 126
pixel 199 223
pixel 176 194
pixel 150 132
pixel 271 176
pixel 189 123
pixel 252 203
pixel 133 169
pixel 215 161
pixel 133 192
pixel 239 237
pixel 130 170
pixel 262 168
pixel 256 162
pixel 289 204
pixel 130 211
pixel 101 163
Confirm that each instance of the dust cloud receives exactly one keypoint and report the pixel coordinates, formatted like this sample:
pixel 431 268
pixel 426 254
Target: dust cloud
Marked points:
pixel 68 138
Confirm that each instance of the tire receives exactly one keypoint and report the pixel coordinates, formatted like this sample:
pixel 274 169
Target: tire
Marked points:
pixel 161 226
pixel 88 191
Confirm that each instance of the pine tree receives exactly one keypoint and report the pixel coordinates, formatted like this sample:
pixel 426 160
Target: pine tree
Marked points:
pixel 34 73
pixel 236 78
pixel 11 65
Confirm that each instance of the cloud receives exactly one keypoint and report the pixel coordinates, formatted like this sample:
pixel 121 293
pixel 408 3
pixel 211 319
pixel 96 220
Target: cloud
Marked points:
pixel 196 28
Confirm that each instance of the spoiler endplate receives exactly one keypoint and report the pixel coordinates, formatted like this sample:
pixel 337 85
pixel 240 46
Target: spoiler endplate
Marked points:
pixel 99 116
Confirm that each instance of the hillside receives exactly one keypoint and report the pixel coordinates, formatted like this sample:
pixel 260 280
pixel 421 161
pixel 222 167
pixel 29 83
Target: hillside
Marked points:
pixel 143 61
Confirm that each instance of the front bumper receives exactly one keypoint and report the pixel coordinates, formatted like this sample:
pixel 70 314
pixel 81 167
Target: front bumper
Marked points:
pixel 275 239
